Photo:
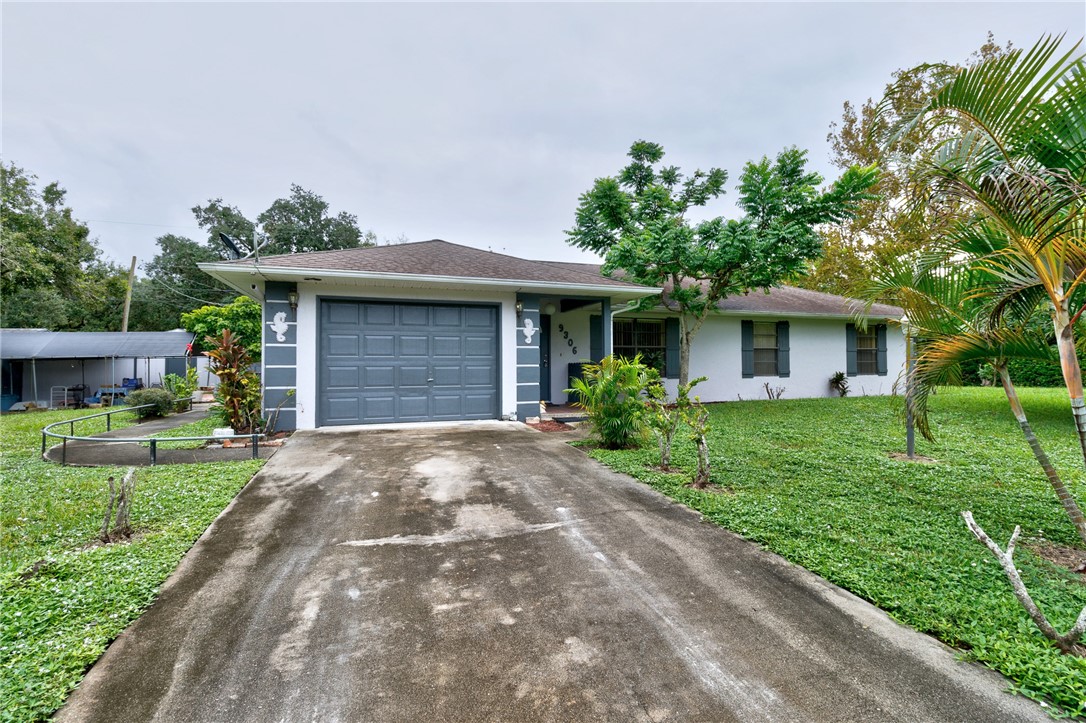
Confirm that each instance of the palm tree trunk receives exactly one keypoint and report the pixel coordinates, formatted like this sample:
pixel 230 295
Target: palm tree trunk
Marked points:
pixel 1072 372
pixel 1066 499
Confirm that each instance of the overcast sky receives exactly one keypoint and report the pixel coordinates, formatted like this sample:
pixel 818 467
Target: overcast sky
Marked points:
pixel 479 124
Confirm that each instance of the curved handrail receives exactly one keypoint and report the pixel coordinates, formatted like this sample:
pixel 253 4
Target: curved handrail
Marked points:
pixel 47 432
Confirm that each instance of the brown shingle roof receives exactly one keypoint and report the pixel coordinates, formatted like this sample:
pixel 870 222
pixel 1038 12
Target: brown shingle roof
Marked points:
pixel 785 300
pixel 441 258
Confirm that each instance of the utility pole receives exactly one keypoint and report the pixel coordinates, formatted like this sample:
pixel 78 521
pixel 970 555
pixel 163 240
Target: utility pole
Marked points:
pixel 128 295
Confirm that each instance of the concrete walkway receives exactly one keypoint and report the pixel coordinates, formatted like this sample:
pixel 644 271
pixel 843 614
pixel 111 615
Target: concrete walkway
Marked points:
pixel 493 573
pixel 104 454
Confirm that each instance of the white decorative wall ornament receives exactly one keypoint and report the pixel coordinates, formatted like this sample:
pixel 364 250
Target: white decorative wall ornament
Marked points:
pixel 529 330
pixel 279 326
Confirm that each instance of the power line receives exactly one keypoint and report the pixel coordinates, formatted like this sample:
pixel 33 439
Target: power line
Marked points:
pixel 140 223
pixel 187 296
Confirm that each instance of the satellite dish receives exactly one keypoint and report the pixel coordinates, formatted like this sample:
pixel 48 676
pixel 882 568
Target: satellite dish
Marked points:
pixel 232 249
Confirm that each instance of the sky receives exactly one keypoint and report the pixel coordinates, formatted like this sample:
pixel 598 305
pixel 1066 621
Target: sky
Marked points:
pixel 480 124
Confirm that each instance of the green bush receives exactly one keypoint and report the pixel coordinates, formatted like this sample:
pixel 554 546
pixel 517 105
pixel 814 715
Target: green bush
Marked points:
pixel 611 393
pixel 160 398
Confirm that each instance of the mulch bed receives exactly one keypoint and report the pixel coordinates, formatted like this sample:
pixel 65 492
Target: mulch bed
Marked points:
pixel 549 425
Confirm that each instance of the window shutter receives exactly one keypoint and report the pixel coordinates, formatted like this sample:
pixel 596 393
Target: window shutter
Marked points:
pixel 783 368
pixel 595 338
pixel 671 353
pixel 850 350
pixel 748 348
pixel 880 337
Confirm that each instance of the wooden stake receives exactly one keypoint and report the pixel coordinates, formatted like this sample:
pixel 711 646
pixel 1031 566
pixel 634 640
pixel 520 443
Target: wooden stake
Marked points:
pixel 128 297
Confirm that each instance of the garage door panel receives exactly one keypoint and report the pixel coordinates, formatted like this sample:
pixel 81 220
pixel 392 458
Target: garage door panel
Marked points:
pixel 415 315
pixel 480 346
pixel 343 312
pixel 479 317
pixel 378 377
pixel 413 346
pixel 379 315
pixel 403 362
pixel 448 376
pixel 345 345
pixel 479 406
pixel 379 345
pixel 414 407
pixel 447 316
pixel 448 346
pixel 413 375
pixel 340 378
pixel 342 410
pixel 480 376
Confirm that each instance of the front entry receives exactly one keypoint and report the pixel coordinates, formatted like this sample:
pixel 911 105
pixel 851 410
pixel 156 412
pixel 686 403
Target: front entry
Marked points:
pixel 403 362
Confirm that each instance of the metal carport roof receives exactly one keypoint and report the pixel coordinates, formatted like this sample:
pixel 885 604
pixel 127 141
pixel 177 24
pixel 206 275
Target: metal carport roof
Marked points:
pixel 40 344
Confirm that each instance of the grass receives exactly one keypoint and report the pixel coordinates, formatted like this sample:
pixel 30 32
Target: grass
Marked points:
pixel 812 481
pixel 201 428
pixel 65 598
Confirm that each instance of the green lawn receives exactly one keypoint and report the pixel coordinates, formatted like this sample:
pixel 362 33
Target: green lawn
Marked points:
pixel 812 481
pixel 65 599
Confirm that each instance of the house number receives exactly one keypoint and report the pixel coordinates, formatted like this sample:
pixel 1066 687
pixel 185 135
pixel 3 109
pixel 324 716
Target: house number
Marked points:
pixel 565 335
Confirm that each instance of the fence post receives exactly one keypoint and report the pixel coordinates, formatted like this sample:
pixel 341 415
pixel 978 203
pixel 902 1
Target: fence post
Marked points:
pixel 64 453
pixel 71 428
pixel 256 449
pixel 154 451
pixel 109 420
pixel 43 442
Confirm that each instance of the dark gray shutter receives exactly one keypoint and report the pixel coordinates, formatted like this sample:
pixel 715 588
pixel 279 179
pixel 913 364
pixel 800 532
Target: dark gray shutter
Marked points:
pixel 748 348
pixel 671 354
pixel 595 338
pixel 880 337
pixel 783 368
pixel 850 350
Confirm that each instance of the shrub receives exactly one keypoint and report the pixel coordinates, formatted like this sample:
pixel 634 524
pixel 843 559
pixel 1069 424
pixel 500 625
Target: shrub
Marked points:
pixel 181 386
pixel 611 395
pixel 160 398
pixel 839 383
pixel 239 386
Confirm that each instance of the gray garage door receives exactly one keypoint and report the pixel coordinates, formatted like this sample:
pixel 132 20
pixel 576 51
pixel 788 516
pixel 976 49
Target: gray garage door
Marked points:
pixel 386 362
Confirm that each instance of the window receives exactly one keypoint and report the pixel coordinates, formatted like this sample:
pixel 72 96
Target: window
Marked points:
pixel 646 337
pixel 765 349
pixel 867 351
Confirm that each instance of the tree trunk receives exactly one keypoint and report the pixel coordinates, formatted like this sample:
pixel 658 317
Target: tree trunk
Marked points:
pixel 1067 642
pixel 1066 499
pixel 685 336
pixel 1072 372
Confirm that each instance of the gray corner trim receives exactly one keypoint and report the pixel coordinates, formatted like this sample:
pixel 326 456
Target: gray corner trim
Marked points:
pixel 527 356
pixel 527 409
pixel 528 393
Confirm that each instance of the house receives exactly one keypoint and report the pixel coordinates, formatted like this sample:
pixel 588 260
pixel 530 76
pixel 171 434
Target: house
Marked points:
pixel 435 331
pixel 58 368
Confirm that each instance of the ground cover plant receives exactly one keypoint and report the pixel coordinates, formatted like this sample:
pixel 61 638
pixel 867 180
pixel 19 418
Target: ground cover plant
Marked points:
pixel 65 596
pixel 813 481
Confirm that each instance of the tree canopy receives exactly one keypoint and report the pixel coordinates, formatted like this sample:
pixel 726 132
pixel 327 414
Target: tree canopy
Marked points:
pixel 637 220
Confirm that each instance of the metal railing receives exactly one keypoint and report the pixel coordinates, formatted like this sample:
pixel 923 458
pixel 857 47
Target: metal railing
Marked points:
pixel 153 442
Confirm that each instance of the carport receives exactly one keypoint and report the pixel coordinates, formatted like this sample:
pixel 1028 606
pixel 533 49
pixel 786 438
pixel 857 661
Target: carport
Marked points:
pixel 35 361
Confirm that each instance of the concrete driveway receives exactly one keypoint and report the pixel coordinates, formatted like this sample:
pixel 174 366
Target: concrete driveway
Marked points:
pixel 489 572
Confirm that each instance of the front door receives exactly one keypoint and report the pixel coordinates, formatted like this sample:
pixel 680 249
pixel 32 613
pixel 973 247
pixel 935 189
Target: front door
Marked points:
pixel 545 358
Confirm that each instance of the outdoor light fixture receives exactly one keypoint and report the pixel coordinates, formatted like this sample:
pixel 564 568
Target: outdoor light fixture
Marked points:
pixel 519 307
pixel 549 309
pixel 292 299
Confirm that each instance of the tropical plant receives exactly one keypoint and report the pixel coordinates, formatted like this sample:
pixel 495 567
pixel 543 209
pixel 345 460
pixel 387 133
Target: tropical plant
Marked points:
pixel 238 393
pixel 1014 151
pixel 696 417
pixel 161 400
pixel 663 417
pixel 241 316
pixel 839 384
pixel 611 393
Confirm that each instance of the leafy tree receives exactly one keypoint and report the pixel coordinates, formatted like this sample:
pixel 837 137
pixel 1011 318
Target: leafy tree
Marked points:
pixel 241 317
pixel 303 223
pixel 886 226
pixel 176 284
pixel 638 222
pixel 51 272
pixel 217 217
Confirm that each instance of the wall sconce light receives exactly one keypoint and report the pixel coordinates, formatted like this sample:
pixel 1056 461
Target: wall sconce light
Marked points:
pixel 519 307
pixel 292 299
pixel 549 309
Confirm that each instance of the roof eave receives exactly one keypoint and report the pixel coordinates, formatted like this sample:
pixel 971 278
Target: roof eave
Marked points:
pixel 234 276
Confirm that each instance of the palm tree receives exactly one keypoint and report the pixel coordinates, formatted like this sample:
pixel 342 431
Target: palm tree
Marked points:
pixel 1012 148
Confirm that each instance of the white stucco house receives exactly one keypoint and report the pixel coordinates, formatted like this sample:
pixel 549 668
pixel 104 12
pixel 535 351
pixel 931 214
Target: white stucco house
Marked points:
pixel 435 331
